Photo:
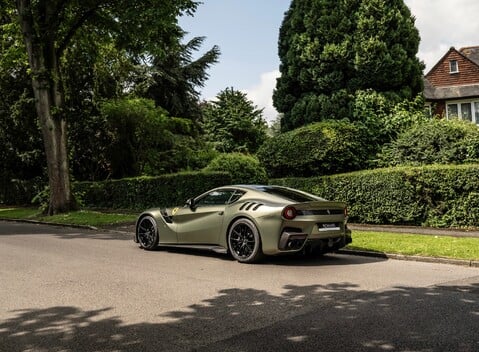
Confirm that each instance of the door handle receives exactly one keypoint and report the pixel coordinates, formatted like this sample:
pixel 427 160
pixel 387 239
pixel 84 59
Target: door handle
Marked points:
pixel 221 213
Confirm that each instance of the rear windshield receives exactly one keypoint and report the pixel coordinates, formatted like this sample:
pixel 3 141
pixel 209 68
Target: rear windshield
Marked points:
pixel 289 194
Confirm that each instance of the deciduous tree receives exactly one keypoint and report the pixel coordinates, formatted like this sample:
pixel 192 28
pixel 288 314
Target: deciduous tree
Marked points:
pixel 50 27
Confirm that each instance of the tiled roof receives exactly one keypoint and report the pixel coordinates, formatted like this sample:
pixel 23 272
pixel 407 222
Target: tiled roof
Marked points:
pixel 450 92
pixel 472 53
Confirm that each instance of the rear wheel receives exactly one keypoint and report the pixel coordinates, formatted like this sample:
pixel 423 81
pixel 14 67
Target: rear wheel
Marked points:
pixel 244 241
pixel 147 233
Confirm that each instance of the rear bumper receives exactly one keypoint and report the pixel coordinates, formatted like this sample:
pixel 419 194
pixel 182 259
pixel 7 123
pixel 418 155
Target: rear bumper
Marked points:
pixel 296 241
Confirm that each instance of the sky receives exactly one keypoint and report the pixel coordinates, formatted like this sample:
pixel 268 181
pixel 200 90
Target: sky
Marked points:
pixel 247 32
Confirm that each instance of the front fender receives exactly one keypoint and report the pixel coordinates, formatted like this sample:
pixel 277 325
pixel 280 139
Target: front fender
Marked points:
pixel 166 231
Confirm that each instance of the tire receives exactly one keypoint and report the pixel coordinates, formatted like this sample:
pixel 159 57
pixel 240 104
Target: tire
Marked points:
pixel 244 242
pixel 147 233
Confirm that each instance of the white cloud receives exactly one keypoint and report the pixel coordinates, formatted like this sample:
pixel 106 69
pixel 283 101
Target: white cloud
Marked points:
pixel 442 24
pixel 262 94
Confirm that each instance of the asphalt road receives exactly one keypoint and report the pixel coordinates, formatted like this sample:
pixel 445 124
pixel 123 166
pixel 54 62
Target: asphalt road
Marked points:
pixel 77 290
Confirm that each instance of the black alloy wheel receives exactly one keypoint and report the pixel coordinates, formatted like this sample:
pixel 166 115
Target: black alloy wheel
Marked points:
pixel 244 241
pixel 147 233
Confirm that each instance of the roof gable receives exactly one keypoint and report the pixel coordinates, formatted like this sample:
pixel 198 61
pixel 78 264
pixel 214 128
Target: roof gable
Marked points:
pixel 468 70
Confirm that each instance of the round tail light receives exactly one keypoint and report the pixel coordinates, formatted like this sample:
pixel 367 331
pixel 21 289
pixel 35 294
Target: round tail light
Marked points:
pixel 289 213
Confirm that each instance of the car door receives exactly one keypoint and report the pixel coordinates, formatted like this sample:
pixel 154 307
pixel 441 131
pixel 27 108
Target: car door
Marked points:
pixel 203 222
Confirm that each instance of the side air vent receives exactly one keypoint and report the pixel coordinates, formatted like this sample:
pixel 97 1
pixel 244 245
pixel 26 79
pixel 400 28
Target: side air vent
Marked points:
pixel 165 216
pixel 250 206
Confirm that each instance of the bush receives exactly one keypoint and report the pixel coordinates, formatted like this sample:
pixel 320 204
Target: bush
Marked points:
pixel 20 192
pixel 322 148
pixel 442 196
pixel 244 169
pixel 147 192
pixel 434 141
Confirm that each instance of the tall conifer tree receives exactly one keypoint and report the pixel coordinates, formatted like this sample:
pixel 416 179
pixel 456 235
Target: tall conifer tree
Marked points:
pixel 330 49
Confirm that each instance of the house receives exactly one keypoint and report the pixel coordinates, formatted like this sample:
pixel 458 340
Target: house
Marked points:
pixel 451 87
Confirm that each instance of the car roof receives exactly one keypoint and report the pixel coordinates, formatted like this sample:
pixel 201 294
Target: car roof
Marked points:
pixel 257 187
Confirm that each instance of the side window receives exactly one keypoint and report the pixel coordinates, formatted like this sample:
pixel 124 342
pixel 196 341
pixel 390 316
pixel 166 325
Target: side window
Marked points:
pixel 235 196
pixel 215 198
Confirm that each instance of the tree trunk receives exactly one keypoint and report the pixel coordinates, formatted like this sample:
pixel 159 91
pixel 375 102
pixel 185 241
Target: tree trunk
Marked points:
pixel 54 130
pixel 44 64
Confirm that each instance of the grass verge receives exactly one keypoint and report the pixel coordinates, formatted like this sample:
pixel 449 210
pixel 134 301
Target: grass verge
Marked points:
pixel 81 217
pixel 420 245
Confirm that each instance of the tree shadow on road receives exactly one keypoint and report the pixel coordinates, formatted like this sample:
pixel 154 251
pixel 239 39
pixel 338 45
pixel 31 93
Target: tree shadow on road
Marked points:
pixel 337 317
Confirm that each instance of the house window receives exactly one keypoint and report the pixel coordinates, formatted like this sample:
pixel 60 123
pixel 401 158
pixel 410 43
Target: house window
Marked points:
pixel 428 109
pixel 466 110
pixel 452 111
pixel 453 66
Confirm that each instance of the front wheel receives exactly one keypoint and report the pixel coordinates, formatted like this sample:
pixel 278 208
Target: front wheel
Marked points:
pixel 244 241
pixel 147 233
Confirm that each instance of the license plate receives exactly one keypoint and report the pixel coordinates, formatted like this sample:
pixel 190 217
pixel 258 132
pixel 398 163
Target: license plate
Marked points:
pixel 329 227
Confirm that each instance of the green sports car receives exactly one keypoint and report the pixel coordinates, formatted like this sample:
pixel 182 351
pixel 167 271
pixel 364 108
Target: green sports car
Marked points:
pixel 248 221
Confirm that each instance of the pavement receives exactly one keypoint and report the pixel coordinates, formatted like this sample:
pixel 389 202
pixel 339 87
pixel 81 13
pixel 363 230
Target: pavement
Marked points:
pixel 79 290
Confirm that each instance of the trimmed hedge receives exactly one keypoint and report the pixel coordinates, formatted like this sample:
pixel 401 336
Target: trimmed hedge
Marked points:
pixel 322 148
pixel 146 192
pixel 442 196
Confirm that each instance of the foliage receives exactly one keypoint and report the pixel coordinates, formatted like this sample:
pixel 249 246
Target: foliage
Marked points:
pixel 329 50
pixel 244 169
pixel 322 148
pixel 21 149
pixel 434 141
pixel 173 78
pixel 21 192
pixel 380 120
pixel 146 192
pixel 403 116
pixel 143 137
pixel 443 196
pixel 233 123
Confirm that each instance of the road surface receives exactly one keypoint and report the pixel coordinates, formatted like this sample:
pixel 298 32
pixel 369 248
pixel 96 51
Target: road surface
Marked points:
pixel 64 289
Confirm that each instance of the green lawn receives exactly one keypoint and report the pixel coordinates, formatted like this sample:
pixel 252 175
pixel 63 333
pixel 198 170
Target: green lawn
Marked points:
pixel 81 217
pixel 421 245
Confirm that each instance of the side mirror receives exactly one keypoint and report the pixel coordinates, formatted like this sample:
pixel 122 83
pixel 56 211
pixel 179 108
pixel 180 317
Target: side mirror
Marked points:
pixel 190 203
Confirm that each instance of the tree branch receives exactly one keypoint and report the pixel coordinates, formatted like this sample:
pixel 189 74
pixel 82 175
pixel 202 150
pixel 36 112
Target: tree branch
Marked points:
pixel 80 21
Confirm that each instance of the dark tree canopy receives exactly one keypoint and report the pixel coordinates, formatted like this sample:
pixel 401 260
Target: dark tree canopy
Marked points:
pixel 330 49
